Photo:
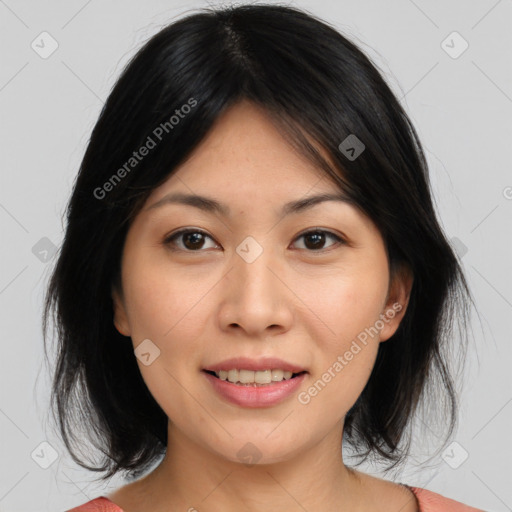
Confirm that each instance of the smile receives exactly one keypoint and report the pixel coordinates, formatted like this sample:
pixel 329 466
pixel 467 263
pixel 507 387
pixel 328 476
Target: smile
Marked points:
pixel 253 394
pixel 261 377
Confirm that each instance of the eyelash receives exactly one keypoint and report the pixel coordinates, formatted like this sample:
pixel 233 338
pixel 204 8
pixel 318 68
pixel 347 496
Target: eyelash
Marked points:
pixel 169 240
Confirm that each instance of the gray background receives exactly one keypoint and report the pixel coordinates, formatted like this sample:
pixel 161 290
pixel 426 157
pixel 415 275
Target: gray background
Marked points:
pixel 461 106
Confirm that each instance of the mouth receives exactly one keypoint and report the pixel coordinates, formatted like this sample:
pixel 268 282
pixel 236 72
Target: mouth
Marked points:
pixel 251 378
pixel 259 388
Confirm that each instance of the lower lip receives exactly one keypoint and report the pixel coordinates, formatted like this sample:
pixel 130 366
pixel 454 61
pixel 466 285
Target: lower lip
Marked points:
pixel 254 396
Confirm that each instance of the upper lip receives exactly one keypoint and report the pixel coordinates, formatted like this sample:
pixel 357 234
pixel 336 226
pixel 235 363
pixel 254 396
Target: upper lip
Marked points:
pixel 260 364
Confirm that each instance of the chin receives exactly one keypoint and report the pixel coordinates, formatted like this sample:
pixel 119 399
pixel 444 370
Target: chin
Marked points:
pixel 257 450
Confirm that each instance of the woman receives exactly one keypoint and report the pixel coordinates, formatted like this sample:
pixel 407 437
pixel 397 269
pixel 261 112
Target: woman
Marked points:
pixel 252 273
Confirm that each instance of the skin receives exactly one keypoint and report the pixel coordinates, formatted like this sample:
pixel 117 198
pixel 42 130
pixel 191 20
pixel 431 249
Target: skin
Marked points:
pixel 301 304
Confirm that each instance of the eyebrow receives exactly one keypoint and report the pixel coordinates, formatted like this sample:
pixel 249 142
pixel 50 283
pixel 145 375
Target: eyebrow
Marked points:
pixel 211 205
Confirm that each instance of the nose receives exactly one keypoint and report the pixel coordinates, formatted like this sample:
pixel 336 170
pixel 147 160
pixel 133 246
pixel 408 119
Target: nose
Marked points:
pixel 255 297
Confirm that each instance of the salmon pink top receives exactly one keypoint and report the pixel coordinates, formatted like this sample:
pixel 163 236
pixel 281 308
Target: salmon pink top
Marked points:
pixel 428 502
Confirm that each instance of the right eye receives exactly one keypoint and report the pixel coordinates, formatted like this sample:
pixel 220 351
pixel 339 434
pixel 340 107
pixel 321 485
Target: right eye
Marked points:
pixel 192 242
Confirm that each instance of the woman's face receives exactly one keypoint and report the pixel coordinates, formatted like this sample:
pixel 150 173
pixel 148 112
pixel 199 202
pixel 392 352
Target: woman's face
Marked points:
pixel 251 282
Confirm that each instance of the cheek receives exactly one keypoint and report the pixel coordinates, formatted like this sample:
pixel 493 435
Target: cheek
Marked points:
pixel 165 307
pixel 346 348
pixel 161 298
pixel 331 393
pixel 349 306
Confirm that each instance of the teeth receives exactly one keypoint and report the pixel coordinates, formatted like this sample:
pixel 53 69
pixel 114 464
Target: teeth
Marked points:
pixel 278 375
pixel 250 377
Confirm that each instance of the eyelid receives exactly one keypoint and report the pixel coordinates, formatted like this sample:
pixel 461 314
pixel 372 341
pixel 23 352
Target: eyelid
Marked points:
pixel 340 239
pixel 176 234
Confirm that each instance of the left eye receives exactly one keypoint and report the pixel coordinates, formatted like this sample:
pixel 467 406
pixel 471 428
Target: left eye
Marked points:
pixel 194 239
pixel 318 237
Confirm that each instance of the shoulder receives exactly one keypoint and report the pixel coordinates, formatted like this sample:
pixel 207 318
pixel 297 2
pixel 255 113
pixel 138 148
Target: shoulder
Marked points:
pixel 428 501
pixel 100 504
pixel 432 502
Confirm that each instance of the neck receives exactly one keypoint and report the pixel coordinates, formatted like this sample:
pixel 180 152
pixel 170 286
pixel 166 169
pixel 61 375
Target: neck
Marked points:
pixel 192 477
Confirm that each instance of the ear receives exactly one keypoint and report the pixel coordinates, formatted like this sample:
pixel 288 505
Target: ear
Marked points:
pixel 120 316
pixel 397 300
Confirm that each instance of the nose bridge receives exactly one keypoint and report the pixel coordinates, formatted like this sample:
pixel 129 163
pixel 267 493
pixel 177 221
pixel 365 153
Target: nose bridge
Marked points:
pixel 255 292
pixel 252 262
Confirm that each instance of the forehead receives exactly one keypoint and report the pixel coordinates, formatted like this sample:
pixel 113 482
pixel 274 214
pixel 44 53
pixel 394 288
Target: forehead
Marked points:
pixel 245 153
